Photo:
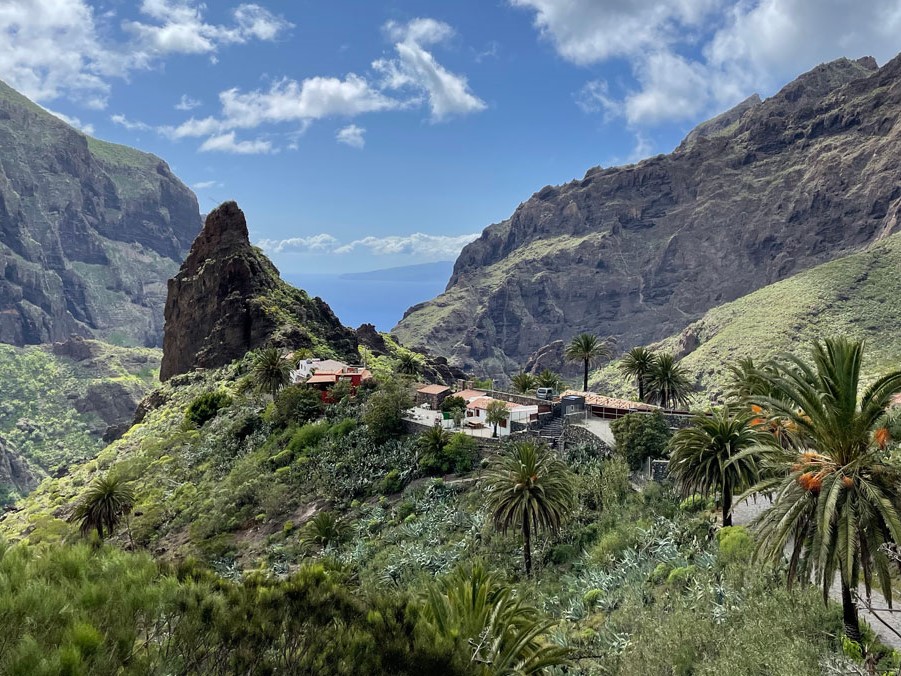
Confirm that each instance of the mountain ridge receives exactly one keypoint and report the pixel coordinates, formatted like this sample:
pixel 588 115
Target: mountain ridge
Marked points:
pixel 643 250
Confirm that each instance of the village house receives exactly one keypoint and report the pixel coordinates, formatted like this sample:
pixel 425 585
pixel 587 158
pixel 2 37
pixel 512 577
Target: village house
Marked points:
pixel 477 415
pixel 432 395
pixel 324 374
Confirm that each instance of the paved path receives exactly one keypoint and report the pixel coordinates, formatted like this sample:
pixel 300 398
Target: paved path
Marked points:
pixel 745 512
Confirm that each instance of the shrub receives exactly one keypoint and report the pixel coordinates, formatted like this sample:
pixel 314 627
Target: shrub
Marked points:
pixel 384 410
pixel 308 436
pixel 205 407
pixel 640 436
pixel 735 544
pixel 343 427
pixel 294 405
pixel 693 503
pixel 613 543
pixel 452 403
pixel 458 454
pixel 562 554
pixel 680 577
pixel 391 483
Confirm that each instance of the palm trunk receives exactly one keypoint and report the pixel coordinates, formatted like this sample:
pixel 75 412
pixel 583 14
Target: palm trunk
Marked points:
pixel 585 388
pixel 527 545
pixel 640 389
pixel 849 614
pixel 727 504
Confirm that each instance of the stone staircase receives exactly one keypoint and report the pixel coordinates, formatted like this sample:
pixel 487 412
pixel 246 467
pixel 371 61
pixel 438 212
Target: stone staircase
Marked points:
pixel 552 432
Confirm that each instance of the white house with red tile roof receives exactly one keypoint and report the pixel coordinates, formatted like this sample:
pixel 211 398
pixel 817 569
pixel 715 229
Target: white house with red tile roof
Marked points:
pixel 477 414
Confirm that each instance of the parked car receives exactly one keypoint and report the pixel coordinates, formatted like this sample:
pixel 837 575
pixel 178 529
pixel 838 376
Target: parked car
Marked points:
pixel 546 393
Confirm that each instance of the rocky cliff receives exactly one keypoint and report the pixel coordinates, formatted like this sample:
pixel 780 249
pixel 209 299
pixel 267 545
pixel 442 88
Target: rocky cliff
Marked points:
pixel 228 299
pixel 89 232
pixel 15 475
pixel 641 251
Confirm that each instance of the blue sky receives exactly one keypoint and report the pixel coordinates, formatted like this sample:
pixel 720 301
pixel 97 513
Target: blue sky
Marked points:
pixel 362 135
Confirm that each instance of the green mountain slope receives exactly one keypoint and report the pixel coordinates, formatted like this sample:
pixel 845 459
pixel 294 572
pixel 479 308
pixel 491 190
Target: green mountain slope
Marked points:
pixel 858 296
pixel 57 401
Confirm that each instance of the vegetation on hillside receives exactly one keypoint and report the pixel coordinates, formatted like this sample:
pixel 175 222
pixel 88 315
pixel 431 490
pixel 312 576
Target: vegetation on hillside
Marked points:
pixel 316 537
pixel 38 389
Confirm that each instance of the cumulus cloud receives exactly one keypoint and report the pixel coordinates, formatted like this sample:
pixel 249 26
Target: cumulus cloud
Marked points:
pixel 187 103
pixel 130 125
pixel 55 48
pixel 413 78
pixel 351 135
pixel 418 245
pixel 227 143
pixel 694 57
pixel 447 93
pixel 179 27
pixel 322 243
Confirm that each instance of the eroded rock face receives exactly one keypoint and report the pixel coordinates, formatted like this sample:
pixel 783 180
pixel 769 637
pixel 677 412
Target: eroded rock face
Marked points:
pixel 639 252
pixel 89 232
pixel 228 299
pixel 14 471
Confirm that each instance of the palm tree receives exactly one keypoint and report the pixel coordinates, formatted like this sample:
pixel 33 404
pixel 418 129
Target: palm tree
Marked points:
pixel 323 530
pixel 503 634
pixel 270 370
pixel 496 413
pixel 433 440
pixel 528 488
pixel 748 380
pixel 668 384
pixel 638 363
pixel 705 457
pixel 524 383
pixel 588 349
pixel 103 506
pixel 835 492
pixel 548 378
pixel 408 363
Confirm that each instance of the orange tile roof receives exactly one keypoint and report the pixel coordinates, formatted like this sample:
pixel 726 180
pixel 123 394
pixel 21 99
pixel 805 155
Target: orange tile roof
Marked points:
pixel 594 399
pixel 469 394
pixel 433 389
pixel 322 378
pixel 482 403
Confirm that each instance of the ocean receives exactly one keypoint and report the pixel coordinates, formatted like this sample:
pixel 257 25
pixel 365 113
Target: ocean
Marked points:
pixel 378 297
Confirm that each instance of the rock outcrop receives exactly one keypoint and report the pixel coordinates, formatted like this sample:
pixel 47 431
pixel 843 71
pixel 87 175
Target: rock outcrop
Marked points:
pixel 89 232
pixel 228 299
pixel 639 252
pixel 15 474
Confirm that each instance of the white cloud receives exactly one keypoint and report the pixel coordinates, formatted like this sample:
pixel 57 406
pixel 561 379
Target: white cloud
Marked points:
pixel 421 245
pixel 351 135
pixel 312 99
pixel 741 47
pixel 187 103
pixel 226 143
pixel 206 185
pixel 130 125
pixel 180 28
pixel 588 31
pixel 448 94
pixel 84 127
pixel 418 245
pixel 51 48
pixel 63 48
pixel 322 243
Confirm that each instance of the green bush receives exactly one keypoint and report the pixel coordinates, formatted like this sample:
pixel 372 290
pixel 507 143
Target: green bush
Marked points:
pixel 640 436
pixel 294 405
pixel 307 437
pixel 343 427
pixel 693 503
pixel 734 545
pixel 205 407
pixel 452 403
pixel 613 543
pixel 391 483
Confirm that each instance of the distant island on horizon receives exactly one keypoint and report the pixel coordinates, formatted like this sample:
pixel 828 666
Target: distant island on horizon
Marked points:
pixel 378 297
